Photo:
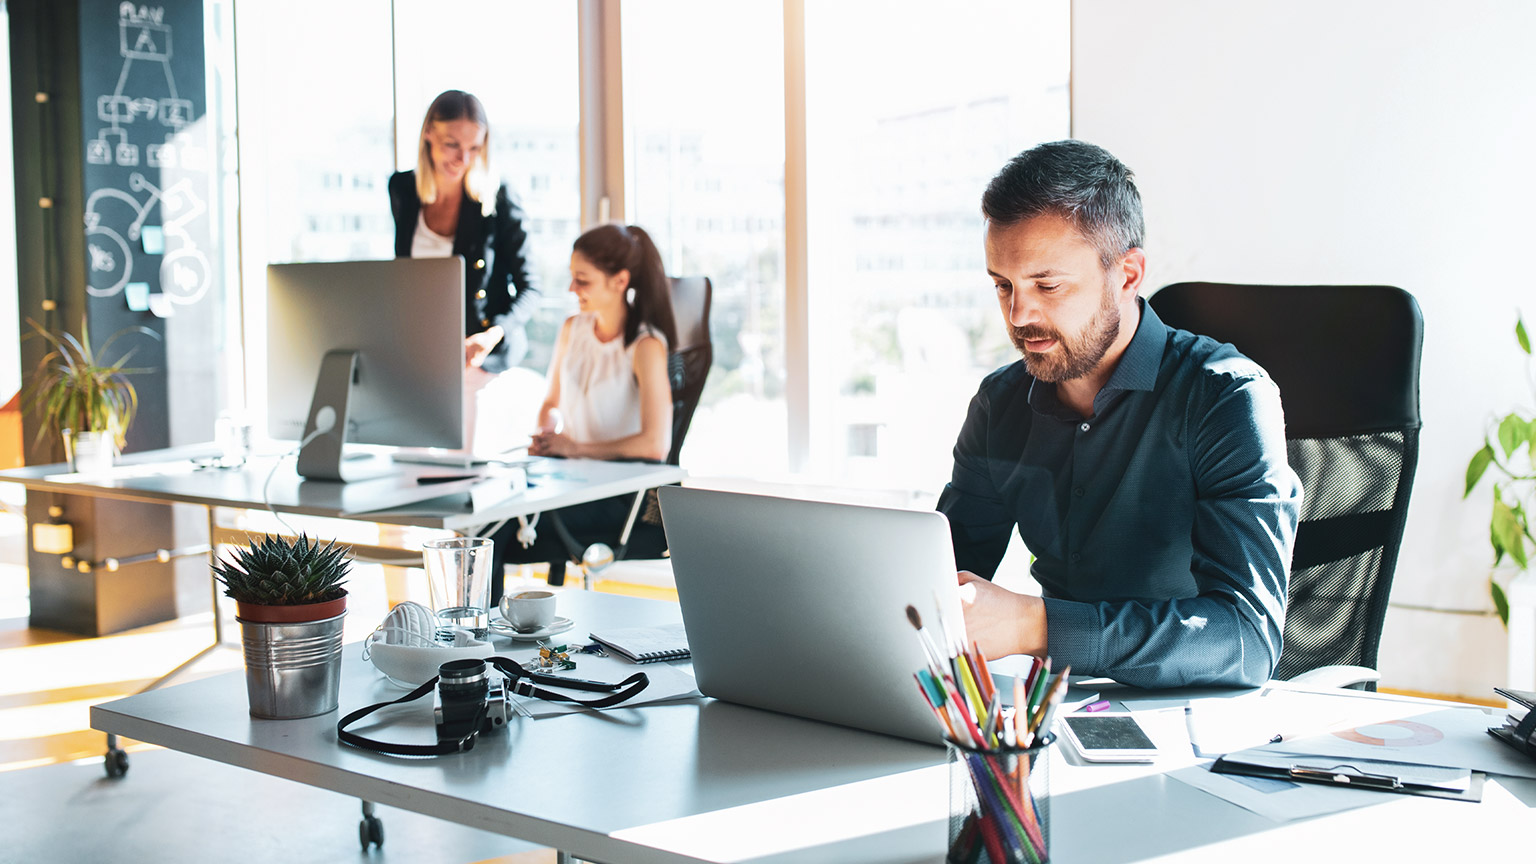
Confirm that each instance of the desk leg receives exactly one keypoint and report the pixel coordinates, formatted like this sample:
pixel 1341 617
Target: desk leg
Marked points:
pixel 213 584
pixel 116 759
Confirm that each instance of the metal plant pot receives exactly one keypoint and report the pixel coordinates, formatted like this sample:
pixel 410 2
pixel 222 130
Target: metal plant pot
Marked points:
pixel 292 669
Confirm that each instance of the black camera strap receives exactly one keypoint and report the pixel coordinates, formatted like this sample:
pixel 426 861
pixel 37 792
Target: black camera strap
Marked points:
pixel 522 683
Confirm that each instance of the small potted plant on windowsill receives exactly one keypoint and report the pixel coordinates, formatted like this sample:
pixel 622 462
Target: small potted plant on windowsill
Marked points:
pixel 290 603
pixel 87 400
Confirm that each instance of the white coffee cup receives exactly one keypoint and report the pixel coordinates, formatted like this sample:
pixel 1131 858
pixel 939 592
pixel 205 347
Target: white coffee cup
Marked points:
pixel 528 611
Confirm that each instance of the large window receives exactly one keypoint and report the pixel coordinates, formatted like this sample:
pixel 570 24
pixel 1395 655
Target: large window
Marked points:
pixel 909 113
pixel 314 90
pixel 704 174
pixel 316 147
pixel 532 97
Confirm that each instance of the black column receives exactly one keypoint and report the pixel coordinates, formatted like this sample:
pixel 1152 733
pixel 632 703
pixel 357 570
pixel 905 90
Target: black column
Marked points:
pixel 114 190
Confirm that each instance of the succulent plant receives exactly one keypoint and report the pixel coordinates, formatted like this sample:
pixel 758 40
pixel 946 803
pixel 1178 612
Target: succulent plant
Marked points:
pixel 276 571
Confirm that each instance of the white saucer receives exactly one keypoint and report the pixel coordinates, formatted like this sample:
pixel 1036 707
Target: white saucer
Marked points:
pixel 500 627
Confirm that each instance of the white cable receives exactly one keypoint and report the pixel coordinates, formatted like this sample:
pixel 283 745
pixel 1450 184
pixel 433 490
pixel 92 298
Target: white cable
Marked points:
pixel 490 531
pixel 526 532
pixel 266 488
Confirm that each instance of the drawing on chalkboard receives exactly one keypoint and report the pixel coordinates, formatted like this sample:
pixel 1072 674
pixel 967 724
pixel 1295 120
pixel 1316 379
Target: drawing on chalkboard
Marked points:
pixel 184 270
pixel 143 36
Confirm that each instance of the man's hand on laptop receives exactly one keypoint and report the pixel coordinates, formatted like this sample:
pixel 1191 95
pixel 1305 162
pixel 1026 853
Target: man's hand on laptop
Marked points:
pixel 1000 621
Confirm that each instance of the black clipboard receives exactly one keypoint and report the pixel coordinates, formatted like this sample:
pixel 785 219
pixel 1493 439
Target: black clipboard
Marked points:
pixel 1403 779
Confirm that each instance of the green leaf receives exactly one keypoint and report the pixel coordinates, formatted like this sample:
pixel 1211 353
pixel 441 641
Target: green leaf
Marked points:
pixel 1512 433
pixel 1525 341
pixel 1508 533
pixel 1480 462
pixel 1500 602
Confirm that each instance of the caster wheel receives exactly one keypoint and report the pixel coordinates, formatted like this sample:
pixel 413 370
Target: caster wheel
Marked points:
pixel 116 762
pixel 370 831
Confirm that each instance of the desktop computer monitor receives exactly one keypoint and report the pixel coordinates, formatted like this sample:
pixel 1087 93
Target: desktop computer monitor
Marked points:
pixel 368 352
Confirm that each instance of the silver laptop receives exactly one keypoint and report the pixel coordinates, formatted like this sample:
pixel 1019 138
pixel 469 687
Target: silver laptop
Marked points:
pixel 800 606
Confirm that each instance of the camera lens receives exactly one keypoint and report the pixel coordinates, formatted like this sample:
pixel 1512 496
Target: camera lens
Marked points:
pixel 461 672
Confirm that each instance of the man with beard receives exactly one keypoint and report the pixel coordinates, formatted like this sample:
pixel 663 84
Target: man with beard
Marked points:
pixel 1144 466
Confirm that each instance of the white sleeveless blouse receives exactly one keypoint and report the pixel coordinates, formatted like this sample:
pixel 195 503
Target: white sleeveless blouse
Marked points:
pixel 599 394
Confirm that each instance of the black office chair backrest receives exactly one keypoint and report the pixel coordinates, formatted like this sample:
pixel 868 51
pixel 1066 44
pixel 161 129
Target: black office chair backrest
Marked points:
pixel 1346 359
pixel 689 363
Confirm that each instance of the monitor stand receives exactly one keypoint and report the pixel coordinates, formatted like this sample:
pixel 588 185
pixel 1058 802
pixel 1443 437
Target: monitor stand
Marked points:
pixel 321 457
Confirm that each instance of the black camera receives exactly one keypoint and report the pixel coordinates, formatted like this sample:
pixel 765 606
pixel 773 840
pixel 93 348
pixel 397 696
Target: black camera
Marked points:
pixel 470 699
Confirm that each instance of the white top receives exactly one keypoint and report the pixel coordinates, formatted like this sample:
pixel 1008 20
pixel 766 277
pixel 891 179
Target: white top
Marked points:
pixel 426 243
pixel 599 393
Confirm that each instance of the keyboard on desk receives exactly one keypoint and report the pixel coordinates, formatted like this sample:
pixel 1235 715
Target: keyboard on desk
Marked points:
pixel 459 458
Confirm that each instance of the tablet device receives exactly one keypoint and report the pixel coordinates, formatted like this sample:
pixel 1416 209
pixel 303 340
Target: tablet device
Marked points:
pixel 1108 737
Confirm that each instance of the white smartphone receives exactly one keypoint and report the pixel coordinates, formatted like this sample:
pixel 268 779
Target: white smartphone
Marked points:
pixel 1108 737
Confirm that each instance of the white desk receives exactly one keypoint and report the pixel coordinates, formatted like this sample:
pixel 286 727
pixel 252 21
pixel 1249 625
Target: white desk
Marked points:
pixel 709 781
pixel 167 477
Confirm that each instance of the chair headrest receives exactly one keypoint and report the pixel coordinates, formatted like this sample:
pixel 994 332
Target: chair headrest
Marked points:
pixel 1346 357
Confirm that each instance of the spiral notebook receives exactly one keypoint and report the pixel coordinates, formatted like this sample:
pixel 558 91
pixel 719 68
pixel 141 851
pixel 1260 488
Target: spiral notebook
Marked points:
pixel 647 644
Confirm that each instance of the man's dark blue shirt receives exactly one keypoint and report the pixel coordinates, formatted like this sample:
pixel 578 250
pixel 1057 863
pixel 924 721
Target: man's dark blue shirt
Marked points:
pixel 1161 526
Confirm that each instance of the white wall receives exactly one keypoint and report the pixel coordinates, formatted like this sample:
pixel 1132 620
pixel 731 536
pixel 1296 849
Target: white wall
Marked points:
pixel 1368 141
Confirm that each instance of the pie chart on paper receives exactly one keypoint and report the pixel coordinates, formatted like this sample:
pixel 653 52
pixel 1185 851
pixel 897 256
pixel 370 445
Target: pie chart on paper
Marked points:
pixel 1393 733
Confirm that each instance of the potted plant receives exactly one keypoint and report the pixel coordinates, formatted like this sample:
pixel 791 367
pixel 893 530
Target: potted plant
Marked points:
pixel 87 400
pixel 1515 458
pixel 290 603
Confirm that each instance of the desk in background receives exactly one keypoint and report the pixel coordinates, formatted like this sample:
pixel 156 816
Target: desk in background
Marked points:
pixel 168 477
pixel 709 781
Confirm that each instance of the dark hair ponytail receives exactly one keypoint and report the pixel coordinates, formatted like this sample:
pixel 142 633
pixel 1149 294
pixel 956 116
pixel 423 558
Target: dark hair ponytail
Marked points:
pixel 612 248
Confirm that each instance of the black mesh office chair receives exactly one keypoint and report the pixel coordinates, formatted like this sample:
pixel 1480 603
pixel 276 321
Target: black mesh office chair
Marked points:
pixel 687 367
pixel 1346 359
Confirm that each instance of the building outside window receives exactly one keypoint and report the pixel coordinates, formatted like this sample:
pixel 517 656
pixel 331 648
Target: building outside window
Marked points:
pixel 704 174
pixel 909 114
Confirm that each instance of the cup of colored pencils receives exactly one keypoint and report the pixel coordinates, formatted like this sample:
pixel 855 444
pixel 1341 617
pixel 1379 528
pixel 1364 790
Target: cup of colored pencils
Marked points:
pixel 999 781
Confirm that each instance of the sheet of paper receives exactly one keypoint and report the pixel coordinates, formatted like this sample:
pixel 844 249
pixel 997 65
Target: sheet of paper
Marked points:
pixel 668 682
pixel 161 306
pixel 1451 738
pixel 137 294
pixel 1224 725
pixel 1166 728
pixel 1280 800
pixel 153 238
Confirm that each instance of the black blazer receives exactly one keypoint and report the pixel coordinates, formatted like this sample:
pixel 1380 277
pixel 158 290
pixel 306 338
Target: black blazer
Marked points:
pixel 498 287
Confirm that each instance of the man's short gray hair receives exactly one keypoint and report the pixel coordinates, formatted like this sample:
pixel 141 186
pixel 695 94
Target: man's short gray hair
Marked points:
pixel 1078 181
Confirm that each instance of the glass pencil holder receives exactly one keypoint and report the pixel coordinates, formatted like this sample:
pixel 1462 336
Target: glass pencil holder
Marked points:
pixel 999 804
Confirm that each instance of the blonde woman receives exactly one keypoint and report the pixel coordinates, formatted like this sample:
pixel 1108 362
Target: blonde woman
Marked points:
pixel 452 204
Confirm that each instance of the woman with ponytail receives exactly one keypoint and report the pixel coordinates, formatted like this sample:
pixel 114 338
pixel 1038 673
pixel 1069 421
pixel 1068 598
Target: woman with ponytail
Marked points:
pixel 609 397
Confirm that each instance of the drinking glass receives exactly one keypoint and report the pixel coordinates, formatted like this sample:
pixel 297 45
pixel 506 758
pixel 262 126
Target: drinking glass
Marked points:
pixel 459 579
